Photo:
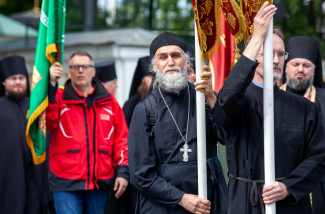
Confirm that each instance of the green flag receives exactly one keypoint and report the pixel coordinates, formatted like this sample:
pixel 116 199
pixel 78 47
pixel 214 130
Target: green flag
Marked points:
pixel 49 49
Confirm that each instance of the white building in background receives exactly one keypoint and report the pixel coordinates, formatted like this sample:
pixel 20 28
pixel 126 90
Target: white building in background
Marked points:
pixel 124 46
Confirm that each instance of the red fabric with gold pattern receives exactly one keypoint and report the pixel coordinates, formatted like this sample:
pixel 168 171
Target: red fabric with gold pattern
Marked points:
pixel 207 20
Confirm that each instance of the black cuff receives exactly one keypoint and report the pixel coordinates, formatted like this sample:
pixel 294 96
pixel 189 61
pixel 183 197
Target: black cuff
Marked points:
pixel 123 171
pixel 52 92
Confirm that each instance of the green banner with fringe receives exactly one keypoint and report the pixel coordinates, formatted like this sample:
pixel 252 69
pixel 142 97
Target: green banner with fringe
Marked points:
pixel 50 43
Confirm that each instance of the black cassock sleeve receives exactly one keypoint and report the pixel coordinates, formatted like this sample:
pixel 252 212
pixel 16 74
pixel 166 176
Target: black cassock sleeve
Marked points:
pixel 215 121
pixel 142 162
pixel 307 175
pixel 232 95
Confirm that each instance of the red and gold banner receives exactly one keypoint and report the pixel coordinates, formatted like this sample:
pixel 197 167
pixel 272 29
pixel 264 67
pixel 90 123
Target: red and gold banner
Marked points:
pixel 207 18
pixel 239 15
pixel 234 17
pixel 250 9
pixel 222 61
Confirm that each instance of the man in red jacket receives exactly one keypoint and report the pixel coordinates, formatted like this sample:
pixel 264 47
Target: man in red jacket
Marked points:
pixel 88 146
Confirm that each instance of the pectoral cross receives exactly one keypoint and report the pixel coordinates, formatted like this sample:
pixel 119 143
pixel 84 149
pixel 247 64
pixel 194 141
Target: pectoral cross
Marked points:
pixel 186 150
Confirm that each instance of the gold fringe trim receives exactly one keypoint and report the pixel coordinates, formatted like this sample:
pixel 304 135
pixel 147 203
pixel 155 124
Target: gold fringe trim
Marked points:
pixel 214 49
pixel 206 55
pixel 237 56
pixel 242 30
pixel 32 118
pixel 51 48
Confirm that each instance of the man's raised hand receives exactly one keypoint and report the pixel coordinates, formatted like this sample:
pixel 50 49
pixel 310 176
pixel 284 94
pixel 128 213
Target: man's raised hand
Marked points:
pixel 262 20
pixel 56 72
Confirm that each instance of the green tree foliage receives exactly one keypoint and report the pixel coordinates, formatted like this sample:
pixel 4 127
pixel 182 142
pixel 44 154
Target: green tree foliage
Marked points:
pixel 7 7
pixel 303 18
pixel 176 15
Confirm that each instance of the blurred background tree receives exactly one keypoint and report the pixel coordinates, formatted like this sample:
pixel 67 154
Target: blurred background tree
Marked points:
pixel 297 17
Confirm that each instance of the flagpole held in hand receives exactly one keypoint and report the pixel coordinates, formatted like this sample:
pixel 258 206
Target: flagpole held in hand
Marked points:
pixel 201 129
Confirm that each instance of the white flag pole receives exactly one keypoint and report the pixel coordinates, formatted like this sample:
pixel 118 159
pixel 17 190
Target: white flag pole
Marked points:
pixel 201 131
pixel 268 106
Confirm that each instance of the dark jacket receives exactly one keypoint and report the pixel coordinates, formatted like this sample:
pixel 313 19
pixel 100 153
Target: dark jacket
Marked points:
pixel 298 145
pixel 157 168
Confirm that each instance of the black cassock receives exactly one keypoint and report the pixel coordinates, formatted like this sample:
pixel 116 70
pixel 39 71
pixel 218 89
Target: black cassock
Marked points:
pixel 299 142
pixel 157 168
pixel 22 185
pixel 129 106
pixel 319 191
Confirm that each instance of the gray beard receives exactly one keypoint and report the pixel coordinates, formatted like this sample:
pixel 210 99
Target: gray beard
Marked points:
pixel 171 83
pixel 299 85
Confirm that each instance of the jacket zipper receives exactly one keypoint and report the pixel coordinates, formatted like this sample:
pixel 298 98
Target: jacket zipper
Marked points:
pixel 88 152
pixel 94 147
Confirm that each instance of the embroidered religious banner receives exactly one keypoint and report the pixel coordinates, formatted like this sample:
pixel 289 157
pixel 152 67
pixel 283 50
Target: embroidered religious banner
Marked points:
pixel 234 17
pixel 240 16
pixel 207 18
pixel 50 43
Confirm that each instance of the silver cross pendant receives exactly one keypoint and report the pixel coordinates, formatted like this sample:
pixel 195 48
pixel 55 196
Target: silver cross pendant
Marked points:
pixel 186 150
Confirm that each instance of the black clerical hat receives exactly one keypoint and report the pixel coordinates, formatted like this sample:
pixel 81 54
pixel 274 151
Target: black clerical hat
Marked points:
pixel 105 71
pixel 307 48
pixel 141 71
pixel 12 65
pixel 165 39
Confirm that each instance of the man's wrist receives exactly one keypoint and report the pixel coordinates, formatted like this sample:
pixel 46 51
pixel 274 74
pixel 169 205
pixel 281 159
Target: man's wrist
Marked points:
pixel 212 99
pixel 53 82
pixel 181 202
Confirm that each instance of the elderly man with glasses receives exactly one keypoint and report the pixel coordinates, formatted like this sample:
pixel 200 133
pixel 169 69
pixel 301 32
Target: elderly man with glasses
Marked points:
pixel 88 146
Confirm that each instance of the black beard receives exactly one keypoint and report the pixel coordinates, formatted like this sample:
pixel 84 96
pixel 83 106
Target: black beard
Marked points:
pixel 299 85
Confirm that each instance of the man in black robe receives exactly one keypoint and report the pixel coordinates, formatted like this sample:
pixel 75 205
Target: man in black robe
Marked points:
pixel 163 158
pixel 21 183
pixel 139 88
pixel 304 76
pixel 299 136
pixel 106 73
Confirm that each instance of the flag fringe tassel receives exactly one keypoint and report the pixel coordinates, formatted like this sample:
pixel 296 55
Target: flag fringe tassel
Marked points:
pixel 42 107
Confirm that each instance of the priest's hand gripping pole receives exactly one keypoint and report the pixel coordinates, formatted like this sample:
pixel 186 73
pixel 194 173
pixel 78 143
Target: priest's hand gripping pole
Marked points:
pixel 201 131
pixel 268 105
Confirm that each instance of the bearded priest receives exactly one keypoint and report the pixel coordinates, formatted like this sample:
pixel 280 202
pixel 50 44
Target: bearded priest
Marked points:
pixel 304 76
pixel 162 139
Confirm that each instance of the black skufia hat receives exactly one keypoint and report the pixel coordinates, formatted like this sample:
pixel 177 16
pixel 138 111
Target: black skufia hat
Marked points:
pixel 105 71
pixel 141 71
pixel 12 65
pixel 166 39
pixel 307 48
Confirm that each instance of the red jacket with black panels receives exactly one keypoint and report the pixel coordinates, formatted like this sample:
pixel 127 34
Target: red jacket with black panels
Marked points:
pixel 88 146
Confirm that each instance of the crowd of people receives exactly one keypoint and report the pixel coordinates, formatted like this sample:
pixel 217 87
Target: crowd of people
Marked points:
pixel 143 158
